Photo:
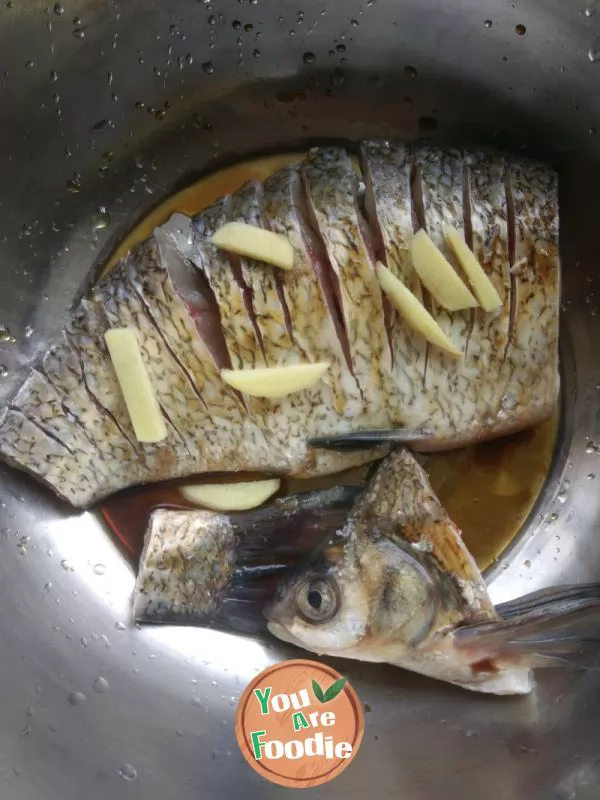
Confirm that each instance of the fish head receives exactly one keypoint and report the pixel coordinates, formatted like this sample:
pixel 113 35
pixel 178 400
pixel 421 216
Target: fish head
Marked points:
pixel 395 585
pixel 363 596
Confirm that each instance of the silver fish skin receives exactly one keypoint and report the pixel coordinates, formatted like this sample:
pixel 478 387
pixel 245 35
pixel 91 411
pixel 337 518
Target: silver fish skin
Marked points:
pixel 397 585
pixel 199 310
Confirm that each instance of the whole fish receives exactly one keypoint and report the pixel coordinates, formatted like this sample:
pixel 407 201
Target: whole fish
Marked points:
pixel 198 310
pixel 380 574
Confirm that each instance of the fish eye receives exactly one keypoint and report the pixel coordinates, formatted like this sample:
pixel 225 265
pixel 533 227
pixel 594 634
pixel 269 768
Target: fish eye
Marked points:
pixel 317 600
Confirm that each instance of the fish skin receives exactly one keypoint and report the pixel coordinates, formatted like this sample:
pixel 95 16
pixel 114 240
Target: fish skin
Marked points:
pixel 332 186
pixel 240 334
pixel 196 317
pixel 447 379
pixel 387 168
pixel 533 381
pixel 316 329
pixel 187 562
pixel 262 280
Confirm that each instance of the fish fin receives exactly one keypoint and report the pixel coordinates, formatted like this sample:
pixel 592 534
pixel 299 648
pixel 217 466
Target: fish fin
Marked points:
pixel 364 440
pixel 217 570
pixel 554 627
pixel 551 596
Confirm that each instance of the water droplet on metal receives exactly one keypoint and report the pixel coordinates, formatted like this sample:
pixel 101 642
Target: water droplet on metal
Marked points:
pixel 589 11
pixel 29 64
pixel 520 29
pixel 79 33
pixel 591 476
pixel 127 772
pixel 354 23
pixel 83 641
pixel 58 9
pixel 120 626
pixel 100 685
pixel 74 184
pixel 248 27
pixel 99 569
pixel 488 23
pixel 340 48
pixel 76 698
pixel 553 517
pixel 3 371
pixel 562 497
pixel 5 334
pixel 48 586
pixel 309 58
pixel 256 53
pixel 101 219
pixel 337 77
pixel 594 54
pixel 410 71
pixel 208 67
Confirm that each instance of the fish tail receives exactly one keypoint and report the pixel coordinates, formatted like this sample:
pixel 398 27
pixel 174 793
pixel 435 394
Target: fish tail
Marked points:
pixel 556 627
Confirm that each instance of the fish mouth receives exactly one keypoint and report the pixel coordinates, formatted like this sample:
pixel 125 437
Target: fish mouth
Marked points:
pixel 280 632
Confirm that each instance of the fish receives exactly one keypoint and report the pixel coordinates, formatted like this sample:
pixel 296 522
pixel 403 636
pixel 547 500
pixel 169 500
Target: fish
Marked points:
pixel 396 584
pixel 376 574
pixel 199 311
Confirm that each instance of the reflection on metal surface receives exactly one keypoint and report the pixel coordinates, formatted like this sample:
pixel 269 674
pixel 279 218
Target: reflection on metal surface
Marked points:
pixel 163 719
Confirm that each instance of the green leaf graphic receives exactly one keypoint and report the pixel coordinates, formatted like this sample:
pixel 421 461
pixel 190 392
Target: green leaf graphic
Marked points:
pixel 318 691
pixel 335 689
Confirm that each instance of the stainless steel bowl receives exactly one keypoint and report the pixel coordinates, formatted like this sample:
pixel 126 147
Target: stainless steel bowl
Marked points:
pixel 113 105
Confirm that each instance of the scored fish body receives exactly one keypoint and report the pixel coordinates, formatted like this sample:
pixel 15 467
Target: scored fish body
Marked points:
pixel 199 310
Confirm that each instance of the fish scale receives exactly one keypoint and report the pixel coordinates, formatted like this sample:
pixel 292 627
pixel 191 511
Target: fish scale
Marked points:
pixel 261 278
pixel 86 335
pixel 64 370
pixel 387 170
pixel 184 410
pixel 447 380
pixel 240 335
pixel 489 334
pixel 27 447
pixel 332 186
pixel 314 325
pixel 532 353
pixel 220 417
